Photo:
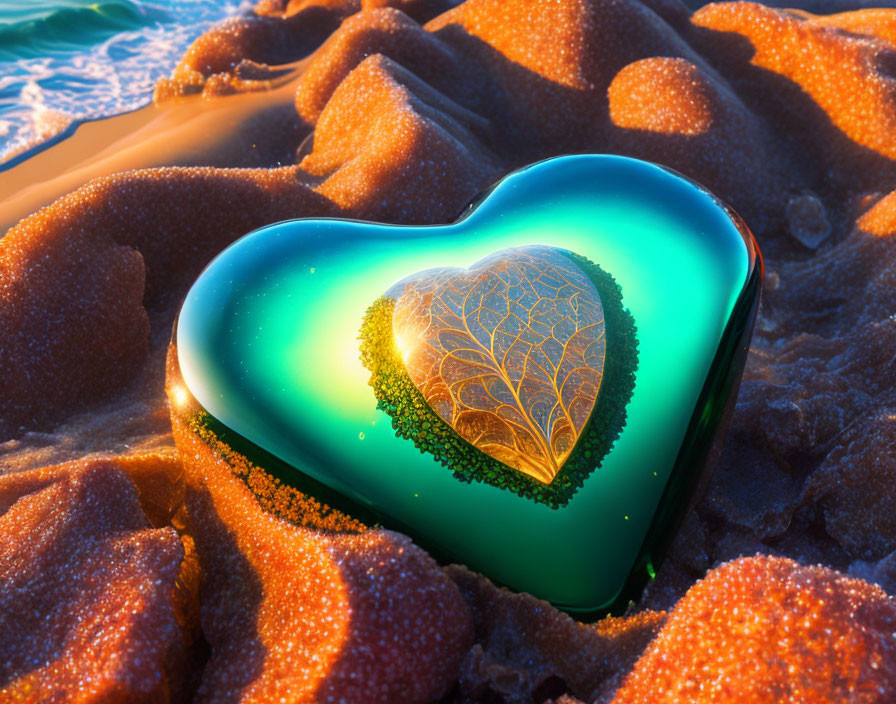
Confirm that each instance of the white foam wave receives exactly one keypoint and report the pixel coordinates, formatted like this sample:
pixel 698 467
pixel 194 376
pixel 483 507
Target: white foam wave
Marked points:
pixel 106 79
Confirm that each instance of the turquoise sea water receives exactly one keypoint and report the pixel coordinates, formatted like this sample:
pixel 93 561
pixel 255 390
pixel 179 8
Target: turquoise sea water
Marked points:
pixel 84 59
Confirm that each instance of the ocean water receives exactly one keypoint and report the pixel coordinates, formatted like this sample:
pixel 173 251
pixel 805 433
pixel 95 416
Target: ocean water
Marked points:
pixel 65 60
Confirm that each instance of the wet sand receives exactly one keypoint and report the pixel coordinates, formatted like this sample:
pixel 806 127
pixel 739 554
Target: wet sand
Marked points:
pixel 190 131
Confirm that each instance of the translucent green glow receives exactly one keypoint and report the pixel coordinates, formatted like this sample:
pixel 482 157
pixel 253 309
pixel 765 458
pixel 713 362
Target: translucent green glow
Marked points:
pixel 268 344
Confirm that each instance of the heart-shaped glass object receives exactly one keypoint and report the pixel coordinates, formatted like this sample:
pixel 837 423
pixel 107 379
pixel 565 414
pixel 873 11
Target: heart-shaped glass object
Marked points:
pixel 533 390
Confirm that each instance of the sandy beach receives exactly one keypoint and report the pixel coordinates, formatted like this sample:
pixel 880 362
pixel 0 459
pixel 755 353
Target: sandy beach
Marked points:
pixel 137 566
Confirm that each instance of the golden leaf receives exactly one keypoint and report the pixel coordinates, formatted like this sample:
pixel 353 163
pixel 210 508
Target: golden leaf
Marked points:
pixel 509 352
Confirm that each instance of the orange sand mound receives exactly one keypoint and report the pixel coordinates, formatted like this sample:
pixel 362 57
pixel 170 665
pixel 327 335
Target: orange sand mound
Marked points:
pixel 766 629
pixel 230 57
pixel 210 62
pixel 880 24
pixel 786 115
pixel 94 256
pixel 833 90
pixel 550 63
pixel 385 31
pixel 87 612
pixel 384 142
pixel 292 613
pixel 671 110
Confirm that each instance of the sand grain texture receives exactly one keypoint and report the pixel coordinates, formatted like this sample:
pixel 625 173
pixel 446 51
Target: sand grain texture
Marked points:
pixel 766 629
pixel 90 596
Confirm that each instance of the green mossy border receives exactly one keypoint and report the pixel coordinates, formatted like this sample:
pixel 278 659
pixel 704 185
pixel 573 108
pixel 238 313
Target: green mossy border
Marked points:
pixel 413 419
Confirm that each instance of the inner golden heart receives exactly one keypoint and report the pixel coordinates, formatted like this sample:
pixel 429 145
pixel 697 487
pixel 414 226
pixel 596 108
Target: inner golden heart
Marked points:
pixel 509 352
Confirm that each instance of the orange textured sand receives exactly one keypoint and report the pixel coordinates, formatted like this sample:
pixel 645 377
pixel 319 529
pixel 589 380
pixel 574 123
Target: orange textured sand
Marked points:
pixel 671 110
pixel 766 629
pixel 409 111
pixel 89 590
pixel 811 77
pixel 301 615
pixel 382 141
pixel 95 256
pixel 278 33
pixel 549 64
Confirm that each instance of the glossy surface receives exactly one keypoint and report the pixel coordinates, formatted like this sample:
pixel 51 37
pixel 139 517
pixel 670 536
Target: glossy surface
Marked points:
pixel 268 345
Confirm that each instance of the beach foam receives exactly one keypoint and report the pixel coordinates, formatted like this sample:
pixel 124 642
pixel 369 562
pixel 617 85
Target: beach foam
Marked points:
pixel 73 60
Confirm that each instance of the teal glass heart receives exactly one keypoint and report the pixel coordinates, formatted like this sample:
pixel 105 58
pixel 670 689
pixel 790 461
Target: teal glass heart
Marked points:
pixel 533 390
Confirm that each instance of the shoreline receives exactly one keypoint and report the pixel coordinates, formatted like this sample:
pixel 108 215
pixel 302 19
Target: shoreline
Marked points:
pixel 188 131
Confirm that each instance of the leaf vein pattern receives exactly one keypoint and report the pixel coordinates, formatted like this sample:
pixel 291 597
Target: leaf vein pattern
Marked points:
pixel 508 352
